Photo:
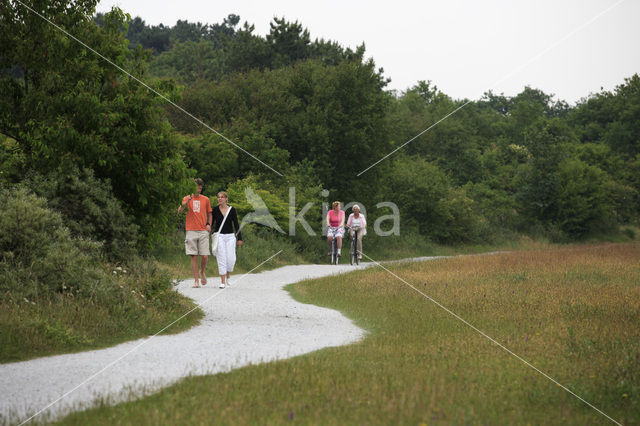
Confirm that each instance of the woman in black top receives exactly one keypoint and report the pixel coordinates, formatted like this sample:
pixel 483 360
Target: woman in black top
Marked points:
pixel 226 254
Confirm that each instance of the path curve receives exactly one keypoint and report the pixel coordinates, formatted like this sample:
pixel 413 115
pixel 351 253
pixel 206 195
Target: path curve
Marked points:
pixel 253 321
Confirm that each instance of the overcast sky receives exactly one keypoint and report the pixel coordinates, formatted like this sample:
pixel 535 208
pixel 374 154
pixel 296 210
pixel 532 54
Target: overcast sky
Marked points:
pixel 568 48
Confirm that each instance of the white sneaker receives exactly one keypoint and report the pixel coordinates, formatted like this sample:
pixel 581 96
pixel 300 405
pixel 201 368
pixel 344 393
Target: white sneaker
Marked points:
pixel 228 282
pixel 222 285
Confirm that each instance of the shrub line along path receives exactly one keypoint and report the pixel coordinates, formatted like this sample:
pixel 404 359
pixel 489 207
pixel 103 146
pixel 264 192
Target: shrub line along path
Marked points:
pixel 253 321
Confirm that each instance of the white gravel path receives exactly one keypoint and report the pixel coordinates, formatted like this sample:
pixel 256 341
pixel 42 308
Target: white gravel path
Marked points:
pixel 251 322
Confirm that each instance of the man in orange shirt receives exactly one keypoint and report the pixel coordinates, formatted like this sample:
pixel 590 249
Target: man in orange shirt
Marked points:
pixel 198 227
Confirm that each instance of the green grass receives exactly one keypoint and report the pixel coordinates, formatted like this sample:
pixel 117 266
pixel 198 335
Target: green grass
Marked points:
pixel 137 303
pixel 572 311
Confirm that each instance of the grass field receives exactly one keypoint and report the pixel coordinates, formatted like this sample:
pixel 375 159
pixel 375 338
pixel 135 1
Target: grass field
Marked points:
pixel 573 312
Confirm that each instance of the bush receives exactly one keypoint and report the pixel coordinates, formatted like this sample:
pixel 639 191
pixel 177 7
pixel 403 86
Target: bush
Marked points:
pixel 38 253
pixel 12 159
pixel 583 204
pixel 426 198
pixel 57 293
pixel 90 210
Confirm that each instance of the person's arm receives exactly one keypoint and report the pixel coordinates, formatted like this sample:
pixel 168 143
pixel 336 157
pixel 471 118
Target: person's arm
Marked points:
pixel 209 221
pixel 216 223
pixel 341 219
pixel 236 225
pixel 328 221
pixel 350 220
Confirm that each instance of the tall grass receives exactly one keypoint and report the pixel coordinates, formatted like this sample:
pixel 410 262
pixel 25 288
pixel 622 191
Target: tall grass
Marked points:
pixel 133 303
pixel 573 312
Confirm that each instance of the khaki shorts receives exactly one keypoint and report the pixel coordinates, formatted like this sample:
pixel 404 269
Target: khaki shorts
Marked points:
pixel 197 243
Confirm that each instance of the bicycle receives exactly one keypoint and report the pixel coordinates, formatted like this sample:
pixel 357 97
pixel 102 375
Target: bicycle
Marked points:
pixel 334 259
pixel 354 255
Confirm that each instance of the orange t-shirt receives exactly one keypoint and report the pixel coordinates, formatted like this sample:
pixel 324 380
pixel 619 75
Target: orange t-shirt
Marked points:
pixel 198 207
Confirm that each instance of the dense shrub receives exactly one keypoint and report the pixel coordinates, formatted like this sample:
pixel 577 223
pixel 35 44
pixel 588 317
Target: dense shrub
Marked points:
pixel 426 199
pixel 39 258
pixel 38 253
pixel 57 294
pixel 90 210
pixel 583 204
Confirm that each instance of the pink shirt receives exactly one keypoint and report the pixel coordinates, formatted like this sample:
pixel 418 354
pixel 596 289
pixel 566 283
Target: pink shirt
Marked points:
pixel 335 219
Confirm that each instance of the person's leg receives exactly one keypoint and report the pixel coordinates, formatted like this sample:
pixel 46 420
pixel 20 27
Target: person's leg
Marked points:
pixel 194 270
pixel 203 251
pixel 359 245
pixel 339 238
pixel 230 243
pixel 203 265
pixel 330 239
pixel 191 249
pixel 221 258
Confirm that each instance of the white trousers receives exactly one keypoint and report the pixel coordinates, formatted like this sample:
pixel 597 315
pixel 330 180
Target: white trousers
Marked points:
pixel 226 255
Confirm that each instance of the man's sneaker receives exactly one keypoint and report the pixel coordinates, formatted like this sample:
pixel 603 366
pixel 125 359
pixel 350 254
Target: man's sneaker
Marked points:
pixel 222 285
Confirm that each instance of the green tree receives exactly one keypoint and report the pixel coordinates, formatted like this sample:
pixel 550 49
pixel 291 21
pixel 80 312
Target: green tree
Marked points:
pixel 607 124
pixel 189 31
pixel 583 204
pixel 12 160
pixel 612 118
pixel 426 200
pixel 246 51
pixel 289 41
pixel 213 159
pixel 455 143
pixel 538 184
pixel 67 107
pixel 308 112
pixel 189 62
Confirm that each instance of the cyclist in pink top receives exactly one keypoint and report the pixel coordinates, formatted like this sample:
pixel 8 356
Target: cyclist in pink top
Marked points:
pixel 335 225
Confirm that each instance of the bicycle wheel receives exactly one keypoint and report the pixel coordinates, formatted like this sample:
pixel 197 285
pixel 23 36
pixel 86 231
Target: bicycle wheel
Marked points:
pixel 334 252
pixel 352 252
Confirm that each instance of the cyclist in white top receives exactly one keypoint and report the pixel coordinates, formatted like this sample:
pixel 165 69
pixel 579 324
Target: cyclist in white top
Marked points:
pixel 357 220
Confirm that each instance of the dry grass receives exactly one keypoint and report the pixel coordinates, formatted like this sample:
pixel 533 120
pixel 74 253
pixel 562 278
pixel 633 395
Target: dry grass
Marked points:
pixel 573 312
